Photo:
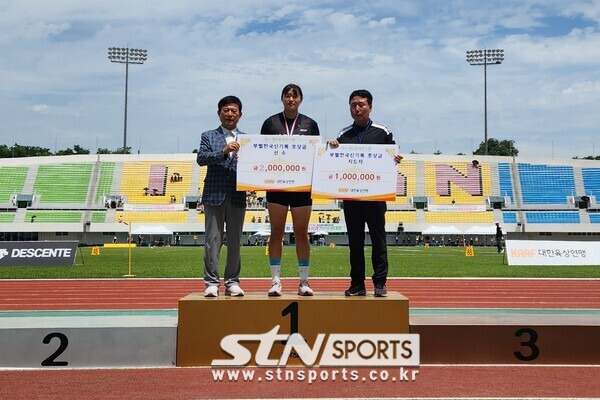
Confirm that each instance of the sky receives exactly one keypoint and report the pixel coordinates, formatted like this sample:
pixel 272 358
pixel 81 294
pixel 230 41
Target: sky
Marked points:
pixel 58 88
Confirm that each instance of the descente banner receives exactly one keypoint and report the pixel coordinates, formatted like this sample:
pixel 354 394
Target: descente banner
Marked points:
pixel 42 253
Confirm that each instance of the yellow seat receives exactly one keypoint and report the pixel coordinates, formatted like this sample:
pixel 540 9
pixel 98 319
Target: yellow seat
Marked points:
pixel 486 217
pixel 152 216
pixel 135 178
pixel 458 195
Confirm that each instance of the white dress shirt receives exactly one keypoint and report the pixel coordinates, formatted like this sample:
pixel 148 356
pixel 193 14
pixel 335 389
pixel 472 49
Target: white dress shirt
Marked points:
pixel 230 136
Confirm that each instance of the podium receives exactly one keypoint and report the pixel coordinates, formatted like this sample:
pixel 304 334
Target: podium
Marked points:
pixel 204 322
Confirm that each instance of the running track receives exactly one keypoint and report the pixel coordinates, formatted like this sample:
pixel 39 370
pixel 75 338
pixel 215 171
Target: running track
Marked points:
pixel 115 294
pixel 197 383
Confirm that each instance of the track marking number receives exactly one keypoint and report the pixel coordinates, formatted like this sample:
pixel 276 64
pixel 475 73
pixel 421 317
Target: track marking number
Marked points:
pixel 63 343
pixel 292 310
pixel 530 343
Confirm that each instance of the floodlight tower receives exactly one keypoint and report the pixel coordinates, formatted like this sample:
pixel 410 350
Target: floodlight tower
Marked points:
pixel 485 57
pixel 125 55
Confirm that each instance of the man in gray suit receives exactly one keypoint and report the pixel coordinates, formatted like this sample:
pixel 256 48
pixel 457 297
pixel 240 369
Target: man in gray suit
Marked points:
pixel 223 205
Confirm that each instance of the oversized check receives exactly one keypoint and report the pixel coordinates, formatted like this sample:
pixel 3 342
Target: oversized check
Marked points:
pixel 355 172
pixel 276 162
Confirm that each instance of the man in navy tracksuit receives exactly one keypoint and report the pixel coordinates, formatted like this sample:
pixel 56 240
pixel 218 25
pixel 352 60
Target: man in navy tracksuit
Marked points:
pixel 357 213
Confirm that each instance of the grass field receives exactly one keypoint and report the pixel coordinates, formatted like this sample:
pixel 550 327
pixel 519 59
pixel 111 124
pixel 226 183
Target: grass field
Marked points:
pixel 186 262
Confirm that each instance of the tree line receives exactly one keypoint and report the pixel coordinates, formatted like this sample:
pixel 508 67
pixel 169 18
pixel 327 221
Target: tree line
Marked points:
pixel 495 148
pixel 18 150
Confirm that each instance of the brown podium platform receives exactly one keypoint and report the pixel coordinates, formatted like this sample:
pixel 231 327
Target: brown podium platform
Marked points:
pixel 204 322
pixel 528 337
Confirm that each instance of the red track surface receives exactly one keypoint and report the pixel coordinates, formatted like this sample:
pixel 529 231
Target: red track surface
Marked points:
pixel 430 293
pixel 197 383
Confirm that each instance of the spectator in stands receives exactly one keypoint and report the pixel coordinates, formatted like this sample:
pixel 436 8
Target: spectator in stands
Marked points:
pixel 498 237
pixel 253 220
pixel 357 213
pixel 290 122
pixel 223 205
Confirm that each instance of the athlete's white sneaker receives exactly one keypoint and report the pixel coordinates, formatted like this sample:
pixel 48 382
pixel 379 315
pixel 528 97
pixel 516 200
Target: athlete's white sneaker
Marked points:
pixel 304 289
pixel 234 290
pixel 275 288
pixel 211 291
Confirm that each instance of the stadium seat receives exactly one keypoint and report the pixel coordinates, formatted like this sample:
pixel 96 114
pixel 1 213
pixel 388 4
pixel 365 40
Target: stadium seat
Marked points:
pixel 457 183
pixel 12 180
pixel 62 183
pixel 544 184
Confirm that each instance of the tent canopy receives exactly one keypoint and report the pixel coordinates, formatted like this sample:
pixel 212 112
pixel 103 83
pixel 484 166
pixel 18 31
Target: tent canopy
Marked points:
pixel 481 230
pixel 262 233
pixel 320 233
pixel 151 230
pixel 442 230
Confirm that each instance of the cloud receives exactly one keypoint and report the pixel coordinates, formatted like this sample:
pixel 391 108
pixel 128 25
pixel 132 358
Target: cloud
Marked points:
pixel 40 108
pixel 411 55
pixel 388 21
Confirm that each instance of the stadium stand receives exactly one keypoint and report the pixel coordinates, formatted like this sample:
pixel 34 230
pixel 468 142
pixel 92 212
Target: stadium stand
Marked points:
pixel 98 217
pixel 63 183
pixel 591 181
pixel 552 217
pixel 324 217
pixel 406 217
pixel 459 217
pixel 461 183
pixel 12 180
pixel 545 184
pixel 505 179
pixel 405 183
pixel 7 217
pixel 509 217
pixel 53 216
pixel 155 182
pixel 154 217
pixel 105 180
pixel 66 193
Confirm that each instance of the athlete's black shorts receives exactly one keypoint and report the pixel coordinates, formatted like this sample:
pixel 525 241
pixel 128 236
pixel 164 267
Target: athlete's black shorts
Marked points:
pixel 291 199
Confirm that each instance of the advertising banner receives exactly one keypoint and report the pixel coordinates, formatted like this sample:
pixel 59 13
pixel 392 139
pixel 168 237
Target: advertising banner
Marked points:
pixel 42 253
pixel 547 252
pixel 355 172
pixel 276 162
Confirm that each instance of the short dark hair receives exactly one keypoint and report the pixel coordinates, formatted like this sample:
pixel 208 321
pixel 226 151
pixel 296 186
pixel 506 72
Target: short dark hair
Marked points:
pixel 365 94
pixel 229 100
pixel 294 88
